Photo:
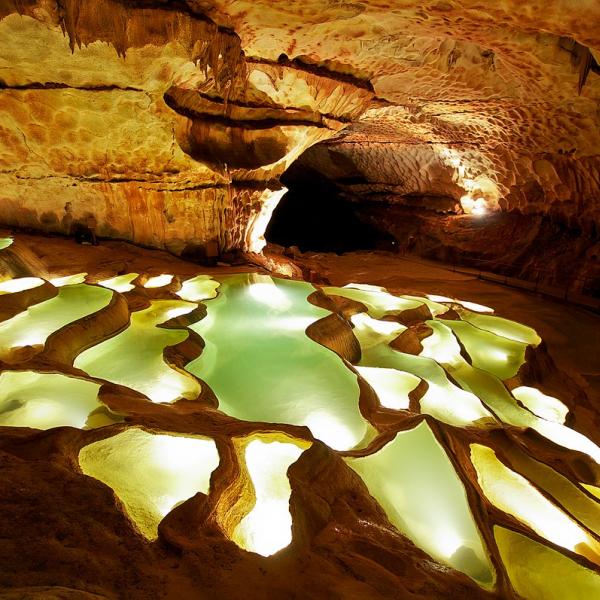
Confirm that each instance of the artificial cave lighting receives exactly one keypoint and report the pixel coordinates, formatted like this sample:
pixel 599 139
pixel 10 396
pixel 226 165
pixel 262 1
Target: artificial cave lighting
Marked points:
pixel 402 412
pixel 513 494
pixel 142 343
pixel 151 473
pixel 299 300
pixel 120 283
pixel 47 400
pixel 12 286
pixel 474 206
pixel 158 281
pixel 415 483
pixel 267 528
pixel 33 326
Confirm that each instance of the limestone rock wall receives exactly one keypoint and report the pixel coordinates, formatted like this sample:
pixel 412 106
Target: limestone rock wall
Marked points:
pixel 177 103
pixel 150 121
pixel 495 100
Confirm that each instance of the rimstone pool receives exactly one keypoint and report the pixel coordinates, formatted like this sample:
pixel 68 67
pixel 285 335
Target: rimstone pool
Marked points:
pixel 224 390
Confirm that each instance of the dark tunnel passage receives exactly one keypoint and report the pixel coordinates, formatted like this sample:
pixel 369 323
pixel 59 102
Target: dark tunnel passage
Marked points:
pixel 314 216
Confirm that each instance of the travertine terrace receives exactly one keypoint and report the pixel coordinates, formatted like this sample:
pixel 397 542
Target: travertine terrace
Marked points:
pixel 199 399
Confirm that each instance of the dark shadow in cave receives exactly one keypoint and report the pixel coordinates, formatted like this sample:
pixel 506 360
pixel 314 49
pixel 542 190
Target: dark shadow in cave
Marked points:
pixel 314 216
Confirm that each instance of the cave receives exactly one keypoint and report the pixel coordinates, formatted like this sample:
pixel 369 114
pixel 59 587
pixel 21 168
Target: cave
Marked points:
pixel 313 215
pixel 299 300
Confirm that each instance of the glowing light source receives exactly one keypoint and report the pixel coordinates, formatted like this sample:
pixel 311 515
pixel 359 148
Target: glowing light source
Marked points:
pixel 5 242
pixel 11 286
pixel 158 281
pixel 75 279
pixel 264 290
pixel 331 429
pixel 543 406
pixel 151 473
pixel 196 289
pixel 267 528
pixel 513 494
pixel 120 283
pixel 479 207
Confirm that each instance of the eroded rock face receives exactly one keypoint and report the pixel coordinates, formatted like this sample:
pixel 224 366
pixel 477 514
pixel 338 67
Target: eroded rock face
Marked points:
pixel 148 116
pixel 151 121
pixel 493 101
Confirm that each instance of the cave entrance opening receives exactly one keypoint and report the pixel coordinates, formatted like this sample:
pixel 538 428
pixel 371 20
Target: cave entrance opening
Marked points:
pixel 314 215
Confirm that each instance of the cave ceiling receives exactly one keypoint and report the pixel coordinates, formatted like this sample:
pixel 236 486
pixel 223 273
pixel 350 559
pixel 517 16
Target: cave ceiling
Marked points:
pixel 171 122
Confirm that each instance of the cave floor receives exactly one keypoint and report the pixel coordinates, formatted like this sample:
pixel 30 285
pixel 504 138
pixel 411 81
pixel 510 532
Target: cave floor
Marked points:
pixel 169 430
pixel 570 332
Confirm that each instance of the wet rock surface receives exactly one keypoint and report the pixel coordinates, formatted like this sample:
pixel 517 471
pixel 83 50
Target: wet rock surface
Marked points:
pixel 70 535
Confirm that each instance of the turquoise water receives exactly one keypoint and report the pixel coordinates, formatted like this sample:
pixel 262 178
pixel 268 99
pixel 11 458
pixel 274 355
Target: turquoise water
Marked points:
pixel 263 367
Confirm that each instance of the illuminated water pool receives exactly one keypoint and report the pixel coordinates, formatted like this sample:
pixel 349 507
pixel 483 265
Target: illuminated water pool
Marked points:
pixel 415 483
pixel 437 480
pixel 141 365
pixel 263 367
pixel 151 473
pixel 33 326
pixel 267 528
pixel 47 400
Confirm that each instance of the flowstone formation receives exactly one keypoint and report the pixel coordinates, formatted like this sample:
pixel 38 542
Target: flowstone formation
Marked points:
pixel 169 123
pixel 147 122
pixel 227 430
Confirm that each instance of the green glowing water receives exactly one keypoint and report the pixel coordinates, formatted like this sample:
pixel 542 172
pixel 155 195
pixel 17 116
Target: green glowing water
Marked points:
pixel 134 358
pixel 415 483
pixel 46 400
pixel 34 325
pixel 539 572
pixel 263 367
